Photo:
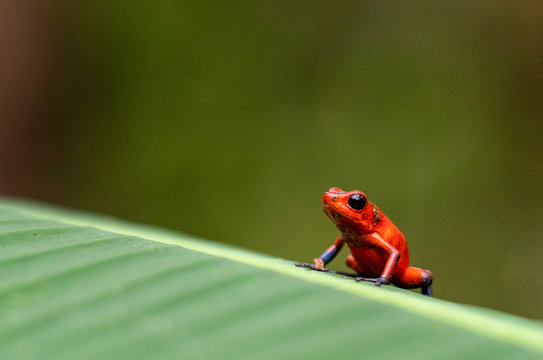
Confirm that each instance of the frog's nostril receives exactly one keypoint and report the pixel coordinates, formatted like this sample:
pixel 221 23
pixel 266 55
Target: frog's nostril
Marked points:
pixel 334 198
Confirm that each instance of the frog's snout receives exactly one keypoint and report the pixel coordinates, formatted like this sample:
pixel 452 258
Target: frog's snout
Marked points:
pixel 331 196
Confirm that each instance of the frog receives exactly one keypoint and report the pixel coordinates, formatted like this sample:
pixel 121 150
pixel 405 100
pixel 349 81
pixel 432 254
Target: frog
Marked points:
pixel 378 249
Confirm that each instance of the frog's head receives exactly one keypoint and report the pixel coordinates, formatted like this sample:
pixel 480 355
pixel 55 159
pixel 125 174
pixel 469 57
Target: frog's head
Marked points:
pixel 349 210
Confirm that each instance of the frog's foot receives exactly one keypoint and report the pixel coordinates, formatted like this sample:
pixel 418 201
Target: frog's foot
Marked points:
pixel 377 281
pixel 427 290
pixel 311 267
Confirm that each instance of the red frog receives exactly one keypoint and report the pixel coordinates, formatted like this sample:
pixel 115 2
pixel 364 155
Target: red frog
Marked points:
pixel 378 249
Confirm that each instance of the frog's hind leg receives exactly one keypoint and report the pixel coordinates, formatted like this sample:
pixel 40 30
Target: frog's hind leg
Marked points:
pixel 415 277
pixel 351 262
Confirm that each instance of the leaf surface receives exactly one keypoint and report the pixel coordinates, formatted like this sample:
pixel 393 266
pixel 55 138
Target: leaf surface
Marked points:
pixel 81 286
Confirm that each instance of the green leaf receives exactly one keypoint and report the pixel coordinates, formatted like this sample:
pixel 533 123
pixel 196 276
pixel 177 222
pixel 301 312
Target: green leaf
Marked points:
pixel 80 286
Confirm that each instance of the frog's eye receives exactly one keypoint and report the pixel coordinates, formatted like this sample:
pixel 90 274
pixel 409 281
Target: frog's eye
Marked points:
pixel 357 201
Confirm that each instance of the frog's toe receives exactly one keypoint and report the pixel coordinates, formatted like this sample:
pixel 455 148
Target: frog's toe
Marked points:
pixel 383 281
pixel 306 265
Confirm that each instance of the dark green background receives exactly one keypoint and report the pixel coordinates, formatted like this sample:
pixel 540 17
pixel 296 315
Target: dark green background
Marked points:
pixel 228 120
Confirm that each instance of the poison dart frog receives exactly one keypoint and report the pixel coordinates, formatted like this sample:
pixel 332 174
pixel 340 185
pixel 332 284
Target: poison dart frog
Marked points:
pixel 378 249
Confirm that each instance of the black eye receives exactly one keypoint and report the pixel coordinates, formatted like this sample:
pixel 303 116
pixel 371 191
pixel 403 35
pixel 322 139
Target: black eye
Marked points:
pixel 357 202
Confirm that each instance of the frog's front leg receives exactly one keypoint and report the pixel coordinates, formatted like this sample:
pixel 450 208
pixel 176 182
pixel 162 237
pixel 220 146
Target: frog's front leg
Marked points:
pixel 392 262
pixel 394 256
pixel 327 256
pixel 311 267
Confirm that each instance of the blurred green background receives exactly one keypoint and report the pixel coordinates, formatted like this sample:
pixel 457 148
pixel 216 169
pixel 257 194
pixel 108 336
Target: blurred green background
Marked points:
pixel 228 120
